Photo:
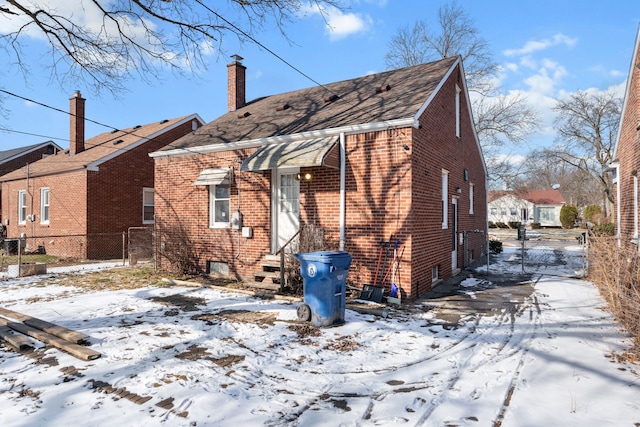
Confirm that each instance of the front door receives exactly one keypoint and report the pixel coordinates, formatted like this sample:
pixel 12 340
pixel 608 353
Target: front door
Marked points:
pixel 286 207
pixel 454 234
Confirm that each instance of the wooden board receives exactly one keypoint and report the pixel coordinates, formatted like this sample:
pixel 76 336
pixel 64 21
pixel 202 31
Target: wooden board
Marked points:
pixel 16 340
pixel 50 328
pixel 76 350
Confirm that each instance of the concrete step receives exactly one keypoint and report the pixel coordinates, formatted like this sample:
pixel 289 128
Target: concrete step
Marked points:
pixel 263 285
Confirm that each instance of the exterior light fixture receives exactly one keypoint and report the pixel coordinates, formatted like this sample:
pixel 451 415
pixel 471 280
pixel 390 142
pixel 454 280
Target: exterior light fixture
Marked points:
pixel 458 190
pixel 307 176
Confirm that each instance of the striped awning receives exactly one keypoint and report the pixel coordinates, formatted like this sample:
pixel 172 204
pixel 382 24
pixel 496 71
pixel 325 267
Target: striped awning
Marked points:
pixel 310 152
pixel 213 177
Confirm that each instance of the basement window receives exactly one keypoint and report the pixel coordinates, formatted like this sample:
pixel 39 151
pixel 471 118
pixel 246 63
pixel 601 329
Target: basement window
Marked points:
pixel 435 273
pixel 217 267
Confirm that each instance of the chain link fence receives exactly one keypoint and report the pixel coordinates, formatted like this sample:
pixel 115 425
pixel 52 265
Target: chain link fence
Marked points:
pixel 556 252
pixel 32 255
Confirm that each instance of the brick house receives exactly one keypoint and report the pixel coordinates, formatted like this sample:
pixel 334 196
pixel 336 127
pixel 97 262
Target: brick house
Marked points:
pixel 627 155
pixel 16 158
pixel 527 206
pixel 78 202
pixel 389 157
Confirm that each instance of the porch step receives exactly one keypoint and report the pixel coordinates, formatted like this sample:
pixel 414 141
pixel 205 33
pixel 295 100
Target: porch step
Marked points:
pixel 261 275
pixel 263 285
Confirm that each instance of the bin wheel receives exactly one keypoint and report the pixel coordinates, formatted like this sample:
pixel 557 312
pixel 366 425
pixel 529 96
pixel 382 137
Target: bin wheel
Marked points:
pixel 304 312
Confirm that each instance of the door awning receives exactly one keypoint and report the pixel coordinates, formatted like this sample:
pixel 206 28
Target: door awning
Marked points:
pixel 310 152
pixel 213 177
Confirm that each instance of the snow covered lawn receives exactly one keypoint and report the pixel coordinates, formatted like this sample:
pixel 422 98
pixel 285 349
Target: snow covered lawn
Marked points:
pixel 188 356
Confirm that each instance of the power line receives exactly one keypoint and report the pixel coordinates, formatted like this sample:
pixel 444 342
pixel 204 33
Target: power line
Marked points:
pixel 33 134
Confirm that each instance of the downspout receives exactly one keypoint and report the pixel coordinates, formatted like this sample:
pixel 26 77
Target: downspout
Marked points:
pixel 486 209
pixel 343 163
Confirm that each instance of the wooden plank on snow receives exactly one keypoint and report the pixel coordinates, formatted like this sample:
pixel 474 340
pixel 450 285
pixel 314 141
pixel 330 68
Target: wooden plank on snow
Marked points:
pixel 76 350
pixel 50 328
pixel 18 341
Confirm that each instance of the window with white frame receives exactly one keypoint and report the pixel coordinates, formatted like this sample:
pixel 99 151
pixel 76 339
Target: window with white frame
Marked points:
pixel 148 206
pixel 513 211
pixel 219 206
pixel 458 111
pixel 44 205
pixel 22 207
pixel 471 199
pixel 445 196
pixel 546 213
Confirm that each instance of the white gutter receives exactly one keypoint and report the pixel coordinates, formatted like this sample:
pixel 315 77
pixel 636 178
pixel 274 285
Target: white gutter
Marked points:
pixel 259 142
pixel 343 163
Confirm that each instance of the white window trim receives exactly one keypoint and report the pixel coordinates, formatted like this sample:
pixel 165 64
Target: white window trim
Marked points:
pixel 22 195
pixel 44 218
pixel 212 208
pixel 145 191
pixel 471 198
pixel 635 207
pixel 445 199
pixel 458 111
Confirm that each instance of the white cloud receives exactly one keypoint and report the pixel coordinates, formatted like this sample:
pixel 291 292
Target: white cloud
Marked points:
pixel 538 45
pixel 338 24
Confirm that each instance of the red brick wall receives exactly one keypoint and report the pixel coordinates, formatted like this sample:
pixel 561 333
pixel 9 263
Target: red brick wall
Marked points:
pixel 628 152
pixel 392 193
pixel 102 204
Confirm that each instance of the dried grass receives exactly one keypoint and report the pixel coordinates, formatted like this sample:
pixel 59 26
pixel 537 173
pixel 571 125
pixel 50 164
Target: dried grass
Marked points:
pixel 615 269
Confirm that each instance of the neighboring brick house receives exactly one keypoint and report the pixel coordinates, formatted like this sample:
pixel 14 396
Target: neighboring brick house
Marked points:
pixel 77 202
pixel 389 156
pixel 16 158
pixel 527 206
pixel 627 155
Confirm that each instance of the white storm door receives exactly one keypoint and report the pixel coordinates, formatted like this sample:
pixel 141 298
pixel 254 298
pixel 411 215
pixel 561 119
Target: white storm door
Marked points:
pixel 286 207
pixel 454 233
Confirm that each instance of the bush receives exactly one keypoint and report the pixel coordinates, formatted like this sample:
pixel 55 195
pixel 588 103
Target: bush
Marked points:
pixel 500 224
pixel 514 224
pixel 591 211
pixel 606 229
pixel 492 224
pixel 495 246
pixel 568 216
pixel 536 226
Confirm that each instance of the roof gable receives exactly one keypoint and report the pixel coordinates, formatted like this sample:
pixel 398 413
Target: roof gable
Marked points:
pixel 376 98
pixel 8 155
pixel 99 149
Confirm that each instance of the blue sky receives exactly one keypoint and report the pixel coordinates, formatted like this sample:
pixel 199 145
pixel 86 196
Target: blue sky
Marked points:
pixel 545 48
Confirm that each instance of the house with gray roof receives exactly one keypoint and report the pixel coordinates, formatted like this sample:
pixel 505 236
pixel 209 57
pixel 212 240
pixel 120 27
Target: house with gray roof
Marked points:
pixel 374 163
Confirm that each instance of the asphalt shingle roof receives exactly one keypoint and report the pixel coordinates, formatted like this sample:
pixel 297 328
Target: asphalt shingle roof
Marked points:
pixel 102 146
pixel 370 99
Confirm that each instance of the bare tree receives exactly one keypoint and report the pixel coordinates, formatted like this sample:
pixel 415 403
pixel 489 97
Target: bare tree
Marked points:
pixel 133 37
pixel 542 170
pixel 499 119
pixel 587 124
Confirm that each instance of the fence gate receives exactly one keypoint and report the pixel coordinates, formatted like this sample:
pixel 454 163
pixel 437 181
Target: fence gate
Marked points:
pixel 553 253
pixel 140 244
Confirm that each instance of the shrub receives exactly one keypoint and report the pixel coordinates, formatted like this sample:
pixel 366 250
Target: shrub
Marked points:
pixel 495 246
pixel 536 226
pixel 501 224
pixel 606 229
pixel 514 224
pixel 591 211
pixel 568 216
pixel 492 224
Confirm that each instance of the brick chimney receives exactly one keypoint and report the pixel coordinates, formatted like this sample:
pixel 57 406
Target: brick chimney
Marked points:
pixel 76 140
pixel 236 84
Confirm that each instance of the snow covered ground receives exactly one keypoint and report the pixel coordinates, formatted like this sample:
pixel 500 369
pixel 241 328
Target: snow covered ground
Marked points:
pixel 188 356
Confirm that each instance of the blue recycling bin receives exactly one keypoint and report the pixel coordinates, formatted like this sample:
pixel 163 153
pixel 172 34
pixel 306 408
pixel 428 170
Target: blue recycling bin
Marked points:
pixel 325 282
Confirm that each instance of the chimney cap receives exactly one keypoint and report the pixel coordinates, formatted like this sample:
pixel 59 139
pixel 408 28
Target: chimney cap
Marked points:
pixel 237 58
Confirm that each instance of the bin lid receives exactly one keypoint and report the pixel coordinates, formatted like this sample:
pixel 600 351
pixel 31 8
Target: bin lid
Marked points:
pixel 339 259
